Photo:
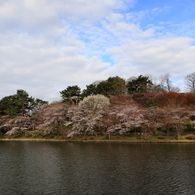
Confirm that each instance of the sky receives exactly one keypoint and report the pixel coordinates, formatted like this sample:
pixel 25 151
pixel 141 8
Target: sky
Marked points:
pixel 47 45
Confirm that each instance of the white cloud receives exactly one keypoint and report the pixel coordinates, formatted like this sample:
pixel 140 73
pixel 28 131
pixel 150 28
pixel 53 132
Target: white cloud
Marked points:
pixel 36 65
pixel 44 13
pixel 48 45
pixel 157 57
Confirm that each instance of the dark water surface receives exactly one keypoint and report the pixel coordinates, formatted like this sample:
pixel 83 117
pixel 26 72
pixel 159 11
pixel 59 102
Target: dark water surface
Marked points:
pixel 96 168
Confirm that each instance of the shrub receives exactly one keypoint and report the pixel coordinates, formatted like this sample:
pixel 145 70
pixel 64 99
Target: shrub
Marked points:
pixel 37 134
pixel 190 136
pixel 190 99
pixel 161 137
pixel 28 134
pixel 1 135
pixel 33 134
pixel 150 103
pixel 17 134
pixel 175 99
pixel 146 99
pixel 121 99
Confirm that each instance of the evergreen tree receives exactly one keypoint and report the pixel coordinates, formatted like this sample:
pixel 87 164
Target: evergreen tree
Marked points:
pixel 139 85
pixel 71 94
pixel 20 104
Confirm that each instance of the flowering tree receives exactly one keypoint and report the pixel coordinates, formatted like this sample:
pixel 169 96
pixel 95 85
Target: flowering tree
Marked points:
pixel 126 120
pixel 95 104
pixel 86 118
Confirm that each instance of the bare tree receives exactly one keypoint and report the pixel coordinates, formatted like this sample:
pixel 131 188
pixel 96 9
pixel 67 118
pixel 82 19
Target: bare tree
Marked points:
pixel 190 82
pixel 166 83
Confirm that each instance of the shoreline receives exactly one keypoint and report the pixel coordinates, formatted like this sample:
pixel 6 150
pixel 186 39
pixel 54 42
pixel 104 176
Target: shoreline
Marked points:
pixel 108 141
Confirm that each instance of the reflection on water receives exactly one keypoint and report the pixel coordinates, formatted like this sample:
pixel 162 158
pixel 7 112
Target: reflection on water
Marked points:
pixel 96 168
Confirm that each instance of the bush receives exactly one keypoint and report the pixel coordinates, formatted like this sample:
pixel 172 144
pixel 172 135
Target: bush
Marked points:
pixel 190 136
pixel 1 135
pixel 34 134
pixel 150 103
pixel 121 99
pixel 174 99
pixel 37 134
pixel 161 137
pixel 17 134
pixel 28 134
pixel 146 99
pixel 190 99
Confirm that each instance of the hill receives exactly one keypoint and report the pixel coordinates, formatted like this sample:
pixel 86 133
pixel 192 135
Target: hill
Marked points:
pixel 138 115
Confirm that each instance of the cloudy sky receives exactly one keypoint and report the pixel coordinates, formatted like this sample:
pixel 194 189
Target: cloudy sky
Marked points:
pixel 47 45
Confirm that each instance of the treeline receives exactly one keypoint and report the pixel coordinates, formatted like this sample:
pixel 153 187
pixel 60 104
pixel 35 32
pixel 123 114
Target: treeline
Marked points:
pixel 138 86
pixel 111 87
pixel 144 90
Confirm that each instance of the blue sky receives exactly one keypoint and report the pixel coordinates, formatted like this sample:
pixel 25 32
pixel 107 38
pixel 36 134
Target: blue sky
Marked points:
pixel 48 45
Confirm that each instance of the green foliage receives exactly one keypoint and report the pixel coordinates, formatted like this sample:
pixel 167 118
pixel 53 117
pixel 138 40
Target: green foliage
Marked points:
pixel 17 134
pixel 71 94
pixel 37 133
pixel 110 87
pixel 189 127
pixel 150 103
pixel 105 88
pixel 19 104
pixel 37 104
pixel 90 90
pixel 139 85
pixel 28 134
pixel 1 135
pixel 118 85
pixel 34 134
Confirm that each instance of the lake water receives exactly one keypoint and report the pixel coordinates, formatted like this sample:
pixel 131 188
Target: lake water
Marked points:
pixel 96 168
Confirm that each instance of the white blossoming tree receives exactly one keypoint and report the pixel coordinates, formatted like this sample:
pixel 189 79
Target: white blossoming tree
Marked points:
pixel 95 104
pixel 86 118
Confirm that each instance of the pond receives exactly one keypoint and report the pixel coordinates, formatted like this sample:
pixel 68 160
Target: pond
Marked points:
pixel 96 168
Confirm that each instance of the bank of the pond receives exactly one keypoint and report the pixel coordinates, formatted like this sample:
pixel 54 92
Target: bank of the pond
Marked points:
pixel 101 139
